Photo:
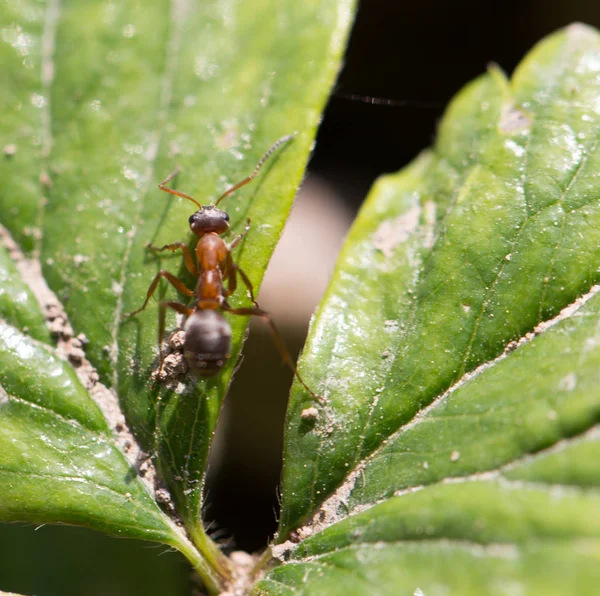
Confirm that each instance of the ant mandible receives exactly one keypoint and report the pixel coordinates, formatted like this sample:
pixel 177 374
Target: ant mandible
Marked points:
pixel 207 342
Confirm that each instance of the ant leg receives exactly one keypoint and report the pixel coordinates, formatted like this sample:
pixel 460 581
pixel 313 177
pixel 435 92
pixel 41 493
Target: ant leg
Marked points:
pixel 176 283
pixel 162 310
pixel 239 237
pixel 187 256
pixel 232 272
pixel 247 283
pixel 258 312
pixel 170 177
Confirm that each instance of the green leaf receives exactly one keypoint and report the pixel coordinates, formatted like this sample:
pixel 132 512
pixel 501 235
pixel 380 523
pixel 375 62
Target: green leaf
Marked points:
pixel 18 305
pixel 59 462
pixel 100 101
pixel 458 348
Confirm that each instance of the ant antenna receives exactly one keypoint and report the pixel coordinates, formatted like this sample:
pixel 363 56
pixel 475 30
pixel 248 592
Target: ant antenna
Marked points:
pixel 176 192
pixel 259 165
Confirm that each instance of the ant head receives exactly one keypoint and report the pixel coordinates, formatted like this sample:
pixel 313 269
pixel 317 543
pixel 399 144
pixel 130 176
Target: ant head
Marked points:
pixel 209 219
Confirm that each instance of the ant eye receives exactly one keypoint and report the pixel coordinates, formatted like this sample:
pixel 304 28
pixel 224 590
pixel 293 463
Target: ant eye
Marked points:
pixel 191 219
pixel 226 218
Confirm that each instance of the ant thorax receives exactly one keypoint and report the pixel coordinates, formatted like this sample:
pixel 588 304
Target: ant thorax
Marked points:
pixel 209 219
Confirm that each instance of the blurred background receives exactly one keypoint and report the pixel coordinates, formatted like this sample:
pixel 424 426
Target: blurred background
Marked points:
pixel 418 53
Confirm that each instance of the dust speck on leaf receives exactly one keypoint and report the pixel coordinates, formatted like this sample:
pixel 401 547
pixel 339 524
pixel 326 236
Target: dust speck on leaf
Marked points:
pixel 4 397
pixel 45 179
pixel 513 119
pixel 116 288
pixel 79 259
pixel 568 383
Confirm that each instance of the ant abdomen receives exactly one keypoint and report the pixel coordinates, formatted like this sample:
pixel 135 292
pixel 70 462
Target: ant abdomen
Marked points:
pixel 207 342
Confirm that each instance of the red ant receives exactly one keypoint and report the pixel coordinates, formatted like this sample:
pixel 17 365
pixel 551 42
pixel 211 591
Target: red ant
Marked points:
pixel 207 342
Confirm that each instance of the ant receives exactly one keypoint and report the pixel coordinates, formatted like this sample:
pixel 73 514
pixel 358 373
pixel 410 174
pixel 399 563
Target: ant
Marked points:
pixel 207 342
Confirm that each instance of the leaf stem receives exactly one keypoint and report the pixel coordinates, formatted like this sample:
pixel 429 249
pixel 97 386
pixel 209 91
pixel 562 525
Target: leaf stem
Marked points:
pixel 214 571
pixel 264 560
pixel 210 552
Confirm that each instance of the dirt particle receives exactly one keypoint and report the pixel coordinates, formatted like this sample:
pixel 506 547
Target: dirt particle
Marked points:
pixel 163 498
pixel 455 456
pixel 10 150
pixel 76 355
pixel 281 551
pixel 33 232
pixel 173 366
pixel 568 383
pixel 55 326
pixel 45 179
pixel 116 288
pixel 145 468
pixel 243 577
pixel 310 414
pixel 177 340
pixel 4 397
pixel 80 259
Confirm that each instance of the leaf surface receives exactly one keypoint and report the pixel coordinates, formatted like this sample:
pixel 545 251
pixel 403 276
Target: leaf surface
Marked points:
pixel 59 462
pixel 458 349
pixel 18 305
pixel 101 100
